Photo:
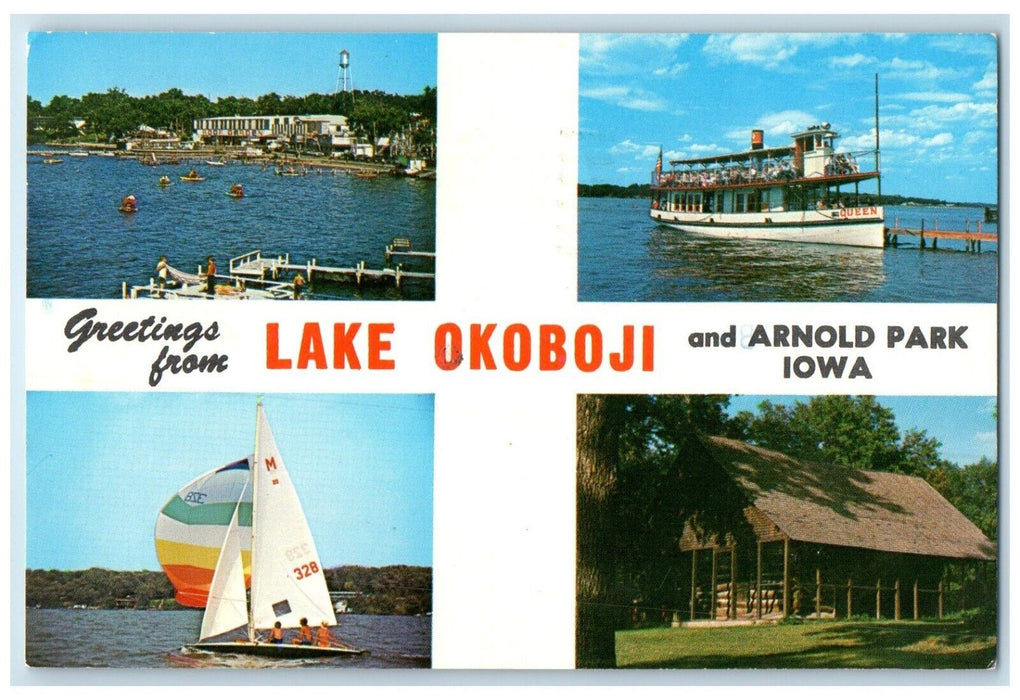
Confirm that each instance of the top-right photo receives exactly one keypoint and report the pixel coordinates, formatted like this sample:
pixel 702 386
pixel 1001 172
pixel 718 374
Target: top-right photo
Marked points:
pixel 788 167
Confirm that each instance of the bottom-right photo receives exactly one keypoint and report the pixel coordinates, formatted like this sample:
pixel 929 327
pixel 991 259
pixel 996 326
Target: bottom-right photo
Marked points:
pixel 734 531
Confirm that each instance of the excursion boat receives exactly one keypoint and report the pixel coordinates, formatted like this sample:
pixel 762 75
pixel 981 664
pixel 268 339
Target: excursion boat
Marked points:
pixel 807 192
pixel 236 542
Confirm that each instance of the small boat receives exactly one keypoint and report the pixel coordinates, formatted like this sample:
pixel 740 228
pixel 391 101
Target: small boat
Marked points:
pixel 806 192
pixel 366 175
pixel 128 205
pixel 79 154
pixel 52 161
pixel 215 163
pixel 189 178
pixel 164 181
pixel 127 209
pixel 247 510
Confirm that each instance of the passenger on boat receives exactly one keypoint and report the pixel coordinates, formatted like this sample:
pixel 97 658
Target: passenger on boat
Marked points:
pixel 193 174
pixel 276 634
pixel 304 634
pixel 165 180
pixel 237 190
pixel 324 637
pixel 299 284
pixel 129 203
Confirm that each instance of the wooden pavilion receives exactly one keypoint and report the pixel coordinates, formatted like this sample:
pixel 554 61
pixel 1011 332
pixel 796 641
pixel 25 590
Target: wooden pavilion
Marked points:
pixel 780 537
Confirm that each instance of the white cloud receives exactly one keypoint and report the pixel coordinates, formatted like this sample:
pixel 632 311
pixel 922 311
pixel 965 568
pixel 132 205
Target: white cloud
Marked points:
pixel 918 70
pixel 989 81
pixel 943 139
pixel 851 61
pixel 622 54
pixel 933 96
pixel 767 50
pixel 627 97
pixel 671 71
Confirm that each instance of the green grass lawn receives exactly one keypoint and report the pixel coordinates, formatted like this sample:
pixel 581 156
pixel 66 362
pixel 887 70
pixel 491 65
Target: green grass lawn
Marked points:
pixel 907 645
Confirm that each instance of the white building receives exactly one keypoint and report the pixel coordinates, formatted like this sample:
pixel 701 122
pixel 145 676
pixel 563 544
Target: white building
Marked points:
pixel 241 130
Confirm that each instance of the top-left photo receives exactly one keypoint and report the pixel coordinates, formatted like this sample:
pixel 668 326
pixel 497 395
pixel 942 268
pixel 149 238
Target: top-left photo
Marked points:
pixel 231 166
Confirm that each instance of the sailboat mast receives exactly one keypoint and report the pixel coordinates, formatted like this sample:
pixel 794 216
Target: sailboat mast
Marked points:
pixel 254 515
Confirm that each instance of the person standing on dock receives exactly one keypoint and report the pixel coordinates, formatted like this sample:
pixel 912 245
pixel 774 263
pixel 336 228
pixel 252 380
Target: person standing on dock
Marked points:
pixel 163 270
pixel 210 276
pixel 299 285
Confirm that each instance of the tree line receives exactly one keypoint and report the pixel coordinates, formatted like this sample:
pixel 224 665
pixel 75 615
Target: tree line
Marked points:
pixel 635 490
pixel 113 115
pixel 386 590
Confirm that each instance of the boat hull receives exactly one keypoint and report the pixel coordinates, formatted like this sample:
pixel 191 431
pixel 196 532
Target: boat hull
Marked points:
pixel 864 227
pixel 276 651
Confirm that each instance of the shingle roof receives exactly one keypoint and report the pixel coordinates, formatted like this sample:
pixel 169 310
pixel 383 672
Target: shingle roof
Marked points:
pixel 833 505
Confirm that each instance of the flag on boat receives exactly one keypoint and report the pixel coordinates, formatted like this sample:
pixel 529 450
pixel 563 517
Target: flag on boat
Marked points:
pixel 658 167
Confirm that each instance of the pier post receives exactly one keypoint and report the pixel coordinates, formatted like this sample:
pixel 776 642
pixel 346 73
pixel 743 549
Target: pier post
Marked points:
pixel 123 290
pixel 922 234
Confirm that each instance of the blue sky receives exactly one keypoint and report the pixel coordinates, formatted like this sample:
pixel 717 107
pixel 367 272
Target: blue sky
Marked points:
pixel 225 64
pixel 965 425
pixel 101 466
pixel 701 94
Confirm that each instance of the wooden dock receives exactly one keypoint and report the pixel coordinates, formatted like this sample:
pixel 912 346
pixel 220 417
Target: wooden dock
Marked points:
pixel 256 266
pixel 972 239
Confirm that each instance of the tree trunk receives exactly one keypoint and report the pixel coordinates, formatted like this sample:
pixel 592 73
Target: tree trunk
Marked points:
pixel 597 452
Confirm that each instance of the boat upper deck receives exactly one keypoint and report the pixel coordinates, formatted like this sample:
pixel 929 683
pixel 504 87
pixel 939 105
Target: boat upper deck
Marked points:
pixel 741 178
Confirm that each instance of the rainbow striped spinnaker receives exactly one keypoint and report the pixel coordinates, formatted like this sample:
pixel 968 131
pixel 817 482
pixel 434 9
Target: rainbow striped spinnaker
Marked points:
pixel 192 526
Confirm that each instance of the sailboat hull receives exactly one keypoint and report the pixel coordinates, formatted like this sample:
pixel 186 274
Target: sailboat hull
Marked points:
pixel 277 651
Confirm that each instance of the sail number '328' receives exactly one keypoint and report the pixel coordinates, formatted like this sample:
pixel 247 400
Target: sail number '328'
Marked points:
pixel 306 570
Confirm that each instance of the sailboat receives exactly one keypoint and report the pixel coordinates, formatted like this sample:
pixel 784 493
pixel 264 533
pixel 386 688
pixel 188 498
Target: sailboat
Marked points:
pixel 237 527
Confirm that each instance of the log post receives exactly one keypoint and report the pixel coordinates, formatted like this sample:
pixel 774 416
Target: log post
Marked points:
pixel 694 579
pixel 849 598
pixel 896 601
pixel 786 577
pixel 733 584
pixel 757 585
pixel 715 593
pixel 917 611
pixel 878 600
pixel 818 594
pixel 941 599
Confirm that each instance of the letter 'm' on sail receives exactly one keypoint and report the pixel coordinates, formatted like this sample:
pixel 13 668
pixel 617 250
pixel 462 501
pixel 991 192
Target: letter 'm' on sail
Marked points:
pixel 192 528
pixel 288 582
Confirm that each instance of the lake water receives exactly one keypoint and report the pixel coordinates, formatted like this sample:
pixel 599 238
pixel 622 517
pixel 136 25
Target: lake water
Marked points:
pixel 624 256
pixel 81 246
pixel 154 639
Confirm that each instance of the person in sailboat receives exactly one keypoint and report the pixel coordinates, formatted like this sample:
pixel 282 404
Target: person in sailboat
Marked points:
pixel 276 634
pixel 324 636
pixel 304 634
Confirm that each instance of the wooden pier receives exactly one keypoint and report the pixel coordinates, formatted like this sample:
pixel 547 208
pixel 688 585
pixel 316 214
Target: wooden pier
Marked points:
pixel 255 266
pixel 972 239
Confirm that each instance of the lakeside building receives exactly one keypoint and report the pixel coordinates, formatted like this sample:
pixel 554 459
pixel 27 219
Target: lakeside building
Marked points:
pixel 239 130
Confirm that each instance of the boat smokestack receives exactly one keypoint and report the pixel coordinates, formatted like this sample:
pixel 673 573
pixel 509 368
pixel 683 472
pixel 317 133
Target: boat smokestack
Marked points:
pixel 757 139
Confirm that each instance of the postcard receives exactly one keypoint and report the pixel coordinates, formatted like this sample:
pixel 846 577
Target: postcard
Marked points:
pixel 349 348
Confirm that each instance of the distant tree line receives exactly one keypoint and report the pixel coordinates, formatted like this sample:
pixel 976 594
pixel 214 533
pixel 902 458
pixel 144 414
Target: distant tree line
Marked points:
pixel 636 191
pixel 387 590
pixel 114 114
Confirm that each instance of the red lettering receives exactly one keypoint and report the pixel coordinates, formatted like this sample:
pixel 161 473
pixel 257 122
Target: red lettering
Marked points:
pixel 551 353
pixel 479 342
pixel 448 346
pixel 270 463
pixel 647 348
pixel 588 363
pixel 624 360
pixel 377 345
pixel 519 335
pixel 312 349
pixel 343 346
pixel 273 360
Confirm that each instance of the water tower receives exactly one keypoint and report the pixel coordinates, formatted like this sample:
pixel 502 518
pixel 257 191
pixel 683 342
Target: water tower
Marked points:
pixel 343 74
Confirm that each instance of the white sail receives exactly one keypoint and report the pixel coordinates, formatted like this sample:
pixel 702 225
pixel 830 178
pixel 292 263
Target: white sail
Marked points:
pixel 287 577
pixel 227 608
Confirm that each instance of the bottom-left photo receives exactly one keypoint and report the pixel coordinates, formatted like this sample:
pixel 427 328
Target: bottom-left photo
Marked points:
pixel 228 530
